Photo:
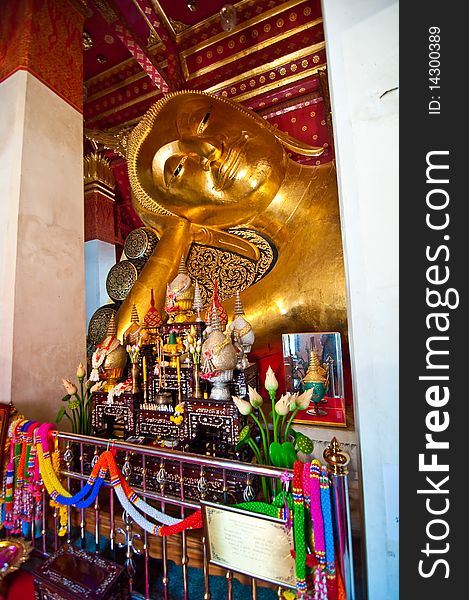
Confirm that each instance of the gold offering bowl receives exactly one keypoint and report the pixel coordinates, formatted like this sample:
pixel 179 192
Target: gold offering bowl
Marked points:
pixel 13 553
pixel 113 376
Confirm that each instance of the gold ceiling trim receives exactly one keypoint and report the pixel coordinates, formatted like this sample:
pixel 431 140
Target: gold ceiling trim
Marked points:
pixel 242 53
pixel 242 26
pixel 240 98
pixel 166 22
pixel 278 62
pixel 153 37
pixel 117 109
pixel 238 6
pixel 119 66
pixel 117 86
pixel 278 84
pixel 109 71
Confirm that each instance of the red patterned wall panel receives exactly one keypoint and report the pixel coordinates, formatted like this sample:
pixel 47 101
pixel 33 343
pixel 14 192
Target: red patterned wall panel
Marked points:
pixel 44 37
pixel 99 218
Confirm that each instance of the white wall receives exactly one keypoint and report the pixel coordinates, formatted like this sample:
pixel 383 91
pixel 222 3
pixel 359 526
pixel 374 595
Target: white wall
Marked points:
pixel 42 283
pixel 12 102
pixel 100 257
pixel 362 48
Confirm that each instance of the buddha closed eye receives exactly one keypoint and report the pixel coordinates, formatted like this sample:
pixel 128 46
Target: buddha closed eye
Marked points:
pixel 203 123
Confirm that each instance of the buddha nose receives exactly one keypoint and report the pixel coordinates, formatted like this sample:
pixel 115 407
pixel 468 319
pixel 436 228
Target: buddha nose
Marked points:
pixel 209 149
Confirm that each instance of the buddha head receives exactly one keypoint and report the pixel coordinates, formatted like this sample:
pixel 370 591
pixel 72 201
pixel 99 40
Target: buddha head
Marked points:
pixel 205 159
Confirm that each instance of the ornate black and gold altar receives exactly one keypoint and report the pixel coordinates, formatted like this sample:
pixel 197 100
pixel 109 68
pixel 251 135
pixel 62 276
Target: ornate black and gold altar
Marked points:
pixel 116 418
pixel 208 426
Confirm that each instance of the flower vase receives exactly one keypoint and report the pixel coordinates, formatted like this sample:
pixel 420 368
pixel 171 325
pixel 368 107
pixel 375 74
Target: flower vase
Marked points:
pixel 196 392
pixel 135 388
pixel 220 385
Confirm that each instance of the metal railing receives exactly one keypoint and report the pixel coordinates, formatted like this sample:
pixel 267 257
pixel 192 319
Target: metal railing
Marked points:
pixel 175 482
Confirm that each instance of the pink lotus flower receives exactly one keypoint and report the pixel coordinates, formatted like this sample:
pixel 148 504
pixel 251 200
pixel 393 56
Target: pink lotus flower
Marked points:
pixel 271 383
pixel 243 406
pixel 255 398
pixel 70 388
pixel 282 406
pixel 304 400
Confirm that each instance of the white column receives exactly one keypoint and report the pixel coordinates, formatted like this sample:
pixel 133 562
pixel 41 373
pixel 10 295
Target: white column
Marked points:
pixel 100 257
pixel 42 282
pixel 362 47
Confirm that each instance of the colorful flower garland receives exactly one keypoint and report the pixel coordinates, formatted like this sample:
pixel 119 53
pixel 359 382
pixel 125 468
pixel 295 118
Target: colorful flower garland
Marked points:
pixel 33 466
pixel 127 497
pixel 328 533
pixel 317 520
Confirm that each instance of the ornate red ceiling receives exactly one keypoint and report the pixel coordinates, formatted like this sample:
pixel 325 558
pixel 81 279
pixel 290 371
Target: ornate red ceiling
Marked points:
pixel 273 61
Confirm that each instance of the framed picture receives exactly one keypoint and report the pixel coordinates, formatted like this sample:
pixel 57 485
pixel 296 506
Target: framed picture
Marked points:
pixel 311 358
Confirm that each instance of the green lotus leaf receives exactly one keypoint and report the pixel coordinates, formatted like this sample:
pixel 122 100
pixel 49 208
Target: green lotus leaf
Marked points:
pixel 244 435
pixel 288 455
pixel 276 454
pixel 74 404
pixel 304 443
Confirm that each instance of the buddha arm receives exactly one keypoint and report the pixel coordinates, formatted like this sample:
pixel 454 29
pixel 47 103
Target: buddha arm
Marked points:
pixel 160 268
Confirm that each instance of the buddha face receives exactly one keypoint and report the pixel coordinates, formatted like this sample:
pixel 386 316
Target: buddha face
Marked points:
pixel 210 162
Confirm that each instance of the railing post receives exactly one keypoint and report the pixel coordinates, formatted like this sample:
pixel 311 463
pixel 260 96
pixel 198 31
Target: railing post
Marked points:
pixel 337 461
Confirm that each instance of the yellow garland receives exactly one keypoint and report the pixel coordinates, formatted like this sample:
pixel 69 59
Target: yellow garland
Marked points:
pixel 49 477
pixel 63 512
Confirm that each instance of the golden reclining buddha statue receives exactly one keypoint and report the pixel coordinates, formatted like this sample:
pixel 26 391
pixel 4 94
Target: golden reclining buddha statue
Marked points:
pixel 203 167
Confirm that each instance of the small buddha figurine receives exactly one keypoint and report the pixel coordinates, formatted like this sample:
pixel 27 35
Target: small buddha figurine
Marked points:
pixel 316 378
pixel 242 332
pixel 110 358
pixel 133 334
pixel 180 296
pixel 219 359
pixel 152 321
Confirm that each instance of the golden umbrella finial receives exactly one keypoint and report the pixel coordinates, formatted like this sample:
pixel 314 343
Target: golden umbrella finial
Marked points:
pixel 337 460
pixel 112 326
pixel 316 372
pixel 134 314
pixel 182 270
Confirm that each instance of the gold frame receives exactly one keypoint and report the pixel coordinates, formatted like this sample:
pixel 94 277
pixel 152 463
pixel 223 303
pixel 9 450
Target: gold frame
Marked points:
pixel 256 517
